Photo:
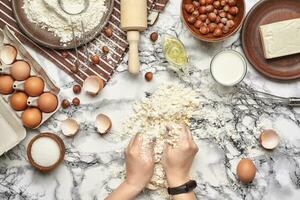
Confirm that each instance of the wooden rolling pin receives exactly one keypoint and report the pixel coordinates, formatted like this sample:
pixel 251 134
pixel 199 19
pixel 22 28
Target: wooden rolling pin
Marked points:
pixel 133 20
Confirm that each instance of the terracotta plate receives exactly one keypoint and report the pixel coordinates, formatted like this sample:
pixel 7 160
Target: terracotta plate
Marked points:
pixel 265 12
pixel 48 39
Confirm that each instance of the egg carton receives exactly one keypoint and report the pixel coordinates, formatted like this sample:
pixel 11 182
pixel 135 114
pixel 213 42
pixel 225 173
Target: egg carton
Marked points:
pixel 13 131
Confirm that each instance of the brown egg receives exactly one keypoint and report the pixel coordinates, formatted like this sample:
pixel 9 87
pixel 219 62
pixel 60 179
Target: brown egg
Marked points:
pixel 18 101
pixel 6 84
pixel 47 102
pixel 20 70
pixel 246 170
pixel 31 117
pixel 34 86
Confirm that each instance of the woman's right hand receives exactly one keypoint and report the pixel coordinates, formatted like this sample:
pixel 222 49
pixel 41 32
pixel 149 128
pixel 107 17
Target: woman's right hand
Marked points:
pixel 178 160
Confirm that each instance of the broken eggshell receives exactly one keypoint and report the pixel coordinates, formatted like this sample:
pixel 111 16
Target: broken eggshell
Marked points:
pixel 1 37
pixel 8 54
pixel 92 85
pixel 269 139
pixel 103 124
pixel 70 127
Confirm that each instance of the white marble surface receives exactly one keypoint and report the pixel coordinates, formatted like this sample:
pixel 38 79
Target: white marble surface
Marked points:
pixel 93 164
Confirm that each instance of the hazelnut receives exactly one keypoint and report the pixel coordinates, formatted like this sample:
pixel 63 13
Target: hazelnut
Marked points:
pixel 105 49
pixel 212 17
pixel 76 101
pixel 222 14
pixel 223 2
pixel 209 8
pixel 226 8
pixel 220 25
pixel 154 36
pixel 65 104
pixel 108 31
pixel 75 68
pixel 216 11
pixel 209 2
pixel 232 2
pixel 196 4
pixel 196 13
pixel 202 17
pixel 217 4
pixel 64 54
pixel 225 29
pixel 189 8
pixel 234 10
pixel 212 27
pixel 229 16
pixel 95 59
pixel 202 10
pixel 198 24
pixel 218 20
pixel 224 20
pixel 230 23
pixel 204 30
pixel 148 76
pixel 202 2
pixel 191 19
pixel 207 21
pixel 217 32
pixel 76 89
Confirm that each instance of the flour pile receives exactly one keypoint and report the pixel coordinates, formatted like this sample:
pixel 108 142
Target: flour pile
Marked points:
pixel 49 15
pixel 170 104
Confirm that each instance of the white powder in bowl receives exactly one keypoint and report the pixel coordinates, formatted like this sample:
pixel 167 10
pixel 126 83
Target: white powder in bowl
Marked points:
pixel 45 151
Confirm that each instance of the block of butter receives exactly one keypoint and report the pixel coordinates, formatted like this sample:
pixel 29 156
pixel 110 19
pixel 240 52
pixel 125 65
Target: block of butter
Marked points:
pixel 281 38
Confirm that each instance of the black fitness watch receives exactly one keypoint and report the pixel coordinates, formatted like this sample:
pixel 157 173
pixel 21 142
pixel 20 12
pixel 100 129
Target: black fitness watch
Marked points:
pixel 185 188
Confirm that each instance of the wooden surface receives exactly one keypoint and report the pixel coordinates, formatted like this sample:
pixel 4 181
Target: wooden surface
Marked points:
pixel 265 12
pixel 209 37
pixel 48 39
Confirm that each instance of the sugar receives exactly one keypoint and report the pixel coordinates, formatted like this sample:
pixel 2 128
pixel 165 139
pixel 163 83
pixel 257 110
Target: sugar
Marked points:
pixel 45 151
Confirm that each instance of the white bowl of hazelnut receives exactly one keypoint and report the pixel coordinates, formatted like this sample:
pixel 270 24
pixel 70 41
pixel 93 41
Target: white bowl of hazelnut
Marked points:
pixel 213 20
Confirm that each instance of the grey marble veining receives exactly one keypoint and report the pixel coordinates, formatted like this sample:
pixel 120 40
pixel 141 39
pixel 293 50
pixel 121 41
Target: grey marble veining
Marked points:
pixel 226 129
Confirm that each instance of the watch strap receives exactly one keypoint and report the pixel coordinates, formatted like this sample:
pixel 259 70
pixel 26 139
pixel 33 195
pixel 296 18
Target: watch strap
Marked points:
pixel 185 188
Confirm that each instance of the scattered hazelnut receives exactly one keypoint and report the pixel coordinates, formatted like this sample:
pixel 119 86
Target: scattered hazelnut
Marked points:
pixel 202 17
pixel 204 30
pixel 154 36
pixel 76 89
pixel 212 17
pixel 149 76
pixel 209 8
pixel 198 24
pixel 217 4
pixel 212 27
pixel 217 32
pixel 191 19
pixel 202 2
pixel 108 31
pixel 196 4
pixel 95 59
pixel 234 10
pixel 225 29
pixel 232 2
pixel 189 8
pixel 65 104
pixel 74 68
pixel 230 23
pixel 76 101
pixel 202 10
pixel 105 49
pixel 64 54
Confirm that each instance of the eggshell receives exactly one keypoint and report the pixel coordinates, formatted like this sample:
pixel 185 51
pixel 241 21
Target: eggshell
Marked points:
pixel 8 54
pixel 47 102
pixel 20 70
pixel 18 101
pixel 246 170
pixel 6 84
pixel 31 117
pixel 34 86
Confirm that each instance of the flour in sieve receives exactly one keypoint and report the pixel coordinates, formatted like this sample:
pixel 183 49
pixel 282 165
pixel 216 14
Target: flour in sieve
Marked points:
pixel 171 104
pixel 49 15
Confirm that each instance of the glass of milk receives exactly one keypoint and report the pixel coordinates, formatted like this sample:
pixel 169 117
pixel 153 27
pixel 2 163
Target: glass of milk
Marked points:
pixel 228 67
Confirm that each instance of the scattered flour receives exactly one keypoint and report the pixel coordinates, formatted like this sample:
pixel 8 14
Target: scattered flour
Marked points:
pixel 170 104
pixel 49 15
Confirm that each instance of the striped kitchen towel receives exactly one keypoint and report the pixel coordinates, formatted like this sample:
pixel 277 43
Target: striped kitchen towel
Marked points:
pixel 66 59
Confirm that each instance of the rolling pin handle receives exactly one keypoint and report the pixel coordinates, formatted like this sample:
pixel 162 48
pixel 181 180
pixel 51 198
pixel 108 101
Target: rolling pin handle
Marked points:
pixel 133 38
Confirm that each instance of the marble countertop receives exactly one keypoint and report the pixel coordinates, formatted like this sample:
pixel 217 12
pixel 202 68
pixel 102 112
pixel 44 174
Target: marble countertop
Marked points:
pixel 227 130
